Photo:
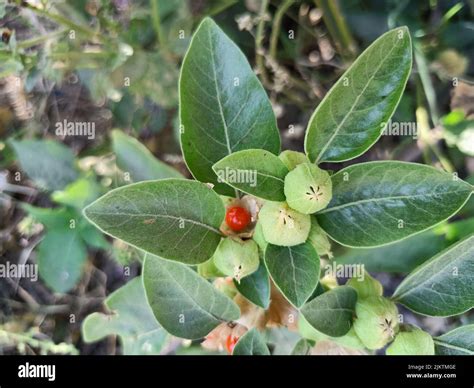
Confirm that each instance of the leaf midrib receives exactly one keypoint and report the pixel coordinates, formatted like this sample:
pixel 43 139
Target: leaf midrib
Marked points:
pixel 293 269
pixel 355 203
pixel 212 229
pixel 218 95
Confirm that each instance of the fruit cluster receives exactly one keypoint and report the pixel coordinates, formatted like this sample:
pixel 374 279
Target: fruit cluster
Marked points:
pixel 376 324
pixel 307 189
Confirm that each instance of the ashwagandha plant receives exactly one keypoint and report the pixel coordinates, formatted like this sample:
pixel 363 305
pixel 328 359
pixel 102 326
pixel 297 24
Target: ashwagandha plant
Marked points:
pixel 255 214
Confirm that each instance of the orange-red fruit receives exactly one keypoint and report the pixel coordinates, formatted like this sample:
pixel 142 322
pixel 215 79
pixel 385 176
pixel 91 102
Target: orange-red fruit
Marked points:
pixel 230 343
pixel 237 218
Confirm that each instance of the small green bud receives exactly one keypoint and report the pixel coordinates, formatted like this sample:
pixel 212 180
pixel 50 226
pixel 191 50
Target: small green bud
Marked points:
pixel 319 239
pixel 349 340
pixel 237 258
pixel 412 341
pixel 209 270
pixel 282 225
pixel 377 321
pixel 367 287
pixel 308 189
pixel 291 159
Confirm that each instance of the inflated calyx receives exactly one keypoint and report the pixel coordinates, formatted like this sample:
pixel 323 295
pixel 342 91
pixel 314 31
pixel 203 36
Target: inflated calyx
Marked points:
pixel 319 239
pixel 366 287
pixel 259 238
pixel 209 270
pixel 291 159
pixel 376 322
pixel 412 341
pixel 282 225
pixel 236 257
pixel 308 189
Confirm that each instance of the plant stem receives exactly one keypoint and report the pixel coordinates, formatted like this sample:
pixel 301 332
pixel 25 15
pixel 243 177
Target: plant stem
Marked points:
pixel 259 51
pixel 155 16
pixel 426 83
pixel 61 20
pixel 425 136
pixel 337 27
pixel 276 26
pixel 40 39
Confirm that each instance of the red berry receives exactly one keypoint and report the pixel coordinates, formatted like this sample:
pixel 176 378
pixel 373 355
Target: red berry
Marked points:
pixel 237 218
pixel 230 343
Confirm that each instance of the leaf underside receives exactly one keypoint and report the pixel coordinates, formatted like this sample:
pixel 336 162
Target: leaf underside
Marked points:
pixel 131 319
pixel 184 303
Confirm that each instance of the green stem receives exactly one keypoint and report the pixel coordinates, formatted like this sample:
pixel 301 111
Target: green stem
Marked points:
pixel 277 24
pixel 155 16
pixel 40 39
pixel 60 19
pixel 260 58
pixel 426 82
pixel 427 140
pixel 337 27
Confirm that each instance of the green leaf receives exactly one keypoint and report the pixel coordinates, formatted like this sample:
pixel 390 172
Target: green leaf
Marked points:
pixel 294 270
pixel 352 116
pixel 378 203
pixel 134 158
pixel 444 285
pixel 58 218
pixel 223 106
pixel 401 257
pixel 331 313
pixel 77 194
pixel 457 342
pixel 130 318
pixel 92 236
pixel 174 218
pixel 49 164
pixel 251 344
pixel 256 287
pixel 255 172
pixel 183 302
pixel 61 256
